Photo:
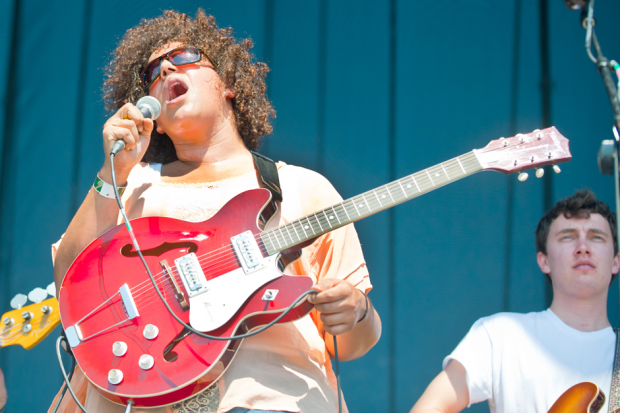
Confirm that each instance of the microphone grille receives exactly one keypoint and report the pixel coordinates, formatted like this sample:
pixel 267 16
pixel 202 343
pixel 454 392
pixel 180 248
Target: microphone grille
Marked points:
pixel 152 104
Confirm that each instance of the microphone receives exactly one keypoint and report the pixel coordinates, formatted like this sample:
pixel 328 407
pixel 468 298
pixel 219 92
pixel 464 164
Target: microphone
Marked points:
pixel 150 109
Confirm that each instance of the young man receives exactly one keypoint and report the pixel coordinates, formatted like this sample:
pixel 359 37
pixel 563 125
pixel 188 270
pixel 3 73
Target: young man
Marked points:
pixel 524 362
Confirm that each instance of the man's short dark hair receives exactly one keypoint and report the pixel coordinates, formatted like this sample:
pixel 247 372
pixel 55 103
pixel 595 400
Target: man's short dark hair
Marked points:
pixel 580 205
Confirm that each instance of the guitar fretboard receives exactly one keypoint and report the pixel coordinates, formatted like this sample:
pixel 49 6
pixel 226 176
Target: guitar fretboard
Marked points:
pixel 369 203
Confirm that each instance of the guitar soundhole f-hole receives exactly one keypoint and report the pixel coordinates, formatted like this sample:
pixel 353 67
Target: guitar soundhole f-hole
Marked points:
pixel 170 355
pixel 127 249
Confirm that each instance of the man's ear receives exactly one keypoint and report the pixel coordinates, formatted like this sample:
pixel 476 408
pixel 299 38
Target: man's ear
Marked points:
pixel 542 263
pixel 616 266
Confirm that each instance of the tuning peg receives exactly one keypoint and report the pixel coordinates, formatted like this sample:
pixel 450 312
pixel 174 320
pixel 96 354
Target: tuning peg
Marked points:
pixel 18 301
pixel 540 172
pixel 522 176
pixel 37 295
pixel 51 289
pixel 556 169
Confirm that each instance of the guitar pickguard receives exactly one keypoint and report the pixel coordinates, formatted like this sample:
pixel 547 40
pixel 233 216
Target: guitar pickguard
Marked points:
pixel 227 293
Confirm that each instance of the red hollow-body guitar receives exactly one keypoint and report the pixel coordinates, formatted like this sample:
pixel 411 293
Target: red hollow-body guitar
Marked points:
pixel 222 276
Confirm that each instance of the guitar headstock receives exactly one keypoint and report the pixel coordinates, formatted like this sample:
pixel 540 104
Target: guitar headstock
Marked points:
pixel 27 326
pixel 524 151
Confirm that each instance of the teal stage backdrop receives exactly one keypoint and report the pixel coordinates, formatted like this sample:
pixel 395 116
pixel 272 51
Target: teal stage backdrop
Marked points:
pixel 365 92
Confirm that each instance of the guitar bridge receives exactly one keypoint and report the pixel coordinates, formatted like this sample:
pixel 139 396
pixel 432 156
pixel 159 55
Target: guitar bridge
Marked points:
pixel 178 294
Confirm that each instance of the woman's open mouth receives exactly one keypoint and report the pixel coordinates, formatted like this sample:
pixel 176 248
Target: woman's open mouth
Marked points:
pixel 176 90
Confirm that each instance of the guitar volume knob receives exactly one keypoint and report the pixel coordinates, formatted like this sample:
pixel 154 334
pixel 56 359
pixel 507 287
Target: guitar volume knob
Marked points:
pixel 115 376
pixel 146 361
pixel 150 331
pixel 119 348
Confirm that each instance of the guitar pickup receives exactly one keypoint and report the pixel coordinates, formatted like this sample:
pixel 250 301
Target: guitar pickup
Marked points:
pixel 191 274
pixel 247 251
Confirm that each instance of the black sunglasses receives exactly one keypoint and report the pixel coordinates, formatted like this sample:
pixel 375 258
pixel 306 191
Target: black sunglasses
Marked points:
pixel 183 55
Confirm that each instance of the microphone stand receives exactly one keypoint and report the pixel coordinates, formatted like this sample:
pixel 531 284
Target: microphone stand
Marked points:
pixel 604 69
pixel 608 153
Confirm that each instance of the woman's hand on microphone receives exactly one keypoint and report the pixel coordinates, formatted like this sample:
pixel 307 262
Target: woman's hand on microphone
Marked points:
pixel 129 125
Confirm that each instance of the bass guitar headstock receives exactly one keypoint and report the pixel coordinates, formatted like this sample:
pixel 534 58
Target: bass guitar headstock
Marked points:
pixel 28 326
pixel 525 151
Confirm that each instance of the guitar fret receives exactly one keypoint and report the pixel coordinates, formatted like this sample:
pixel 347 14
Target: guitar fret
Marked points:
pixel 444 171
pixel 317 220
pixel 277 240
pixel 335 213
pixel 429 177
pixel 416 184
pixel 303 229
pixel 310 225
pixel 296 233
pixel 345 211
pixel 327 218
pixel 461 165
pixel 269 238
pixel 289 233
pixel 355 206
pixel 376 196
pixel 283 237
pixel 401 187
pixel 389 193
pixel 364 198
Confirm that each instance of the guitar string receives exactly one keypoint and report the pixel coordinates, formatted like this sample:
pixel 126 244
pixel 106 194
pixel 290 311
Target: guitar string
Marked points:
pixel 452 166
pixel 227 252
pixel 231 257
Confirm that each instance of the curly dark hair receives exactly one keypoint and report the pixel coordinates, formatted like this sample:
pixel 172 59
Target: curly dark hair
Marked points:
pixel 580 205
pixel 235 67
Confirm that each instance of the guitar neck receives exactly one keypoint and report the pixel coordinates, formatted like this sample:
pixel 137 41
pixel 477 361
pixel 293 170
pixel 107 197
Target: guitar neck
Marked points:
pixel 369 203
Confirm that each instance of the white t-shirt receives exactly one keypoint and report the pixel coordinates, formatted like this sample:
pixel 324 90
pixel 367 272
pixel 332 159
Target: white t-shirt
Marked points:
pixel 524 362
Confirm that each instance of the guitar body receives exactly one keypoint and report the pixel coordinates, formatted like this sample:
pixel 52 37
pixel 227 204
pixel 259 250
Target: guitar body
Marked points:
pixel 90 298
pixel 583 397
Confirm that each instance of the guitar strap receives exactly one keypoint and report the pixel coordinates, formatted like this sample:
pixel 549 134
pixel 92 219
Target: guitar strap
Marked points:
pixel 268 172
pixel 614 392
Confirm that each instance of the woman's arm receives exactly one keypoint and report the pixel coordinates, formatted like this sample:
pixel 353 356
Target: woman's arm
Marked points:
pixel 97 213
pixel 341 305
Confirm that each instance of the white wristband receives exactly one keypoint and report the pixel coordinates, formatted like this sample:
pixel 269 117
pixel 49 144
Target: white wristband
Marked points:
pixel 105 189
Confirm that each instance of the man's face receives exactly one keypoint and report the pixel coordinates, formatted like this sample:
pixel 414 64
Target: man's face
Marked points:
pixel 580 256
